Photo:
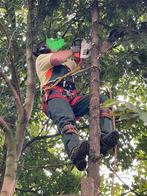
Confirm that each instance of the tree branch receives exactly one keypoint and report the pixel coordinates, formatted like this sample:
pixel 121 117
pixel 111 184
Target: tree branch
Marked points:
pixel 9 59
pixel 29 101
pixel 2 165
pixel 5 31
pixel 8 134
pixel 4 125
pixel 27 190
pixel 47 166
pixel 131 190
pixel 30 63
pixel 38 138
pixel 13 91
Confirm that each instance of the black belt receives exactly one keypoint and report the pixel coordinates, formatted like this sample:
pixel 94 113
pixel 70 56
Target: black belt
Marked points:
pixel 68 85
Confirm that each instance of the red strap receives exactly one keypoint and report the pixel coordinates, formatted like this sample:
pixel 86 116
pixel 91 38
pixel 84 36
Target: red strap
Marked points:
pixel 47 96
pixel 106 113
pixel 75 100
pixel 44 105
pixel 59 90
pixel 69 128
pixel 52 96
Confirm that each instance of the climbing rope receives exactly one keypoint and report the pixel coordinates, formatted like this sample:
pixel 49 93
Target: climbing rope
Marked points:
pixel 50 86
pixel 115 149
pixel 125 185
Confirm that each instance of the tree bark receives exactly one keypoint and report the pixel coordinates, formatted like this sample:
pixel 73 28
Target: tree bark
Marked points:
pixel 94 135
pixel 14 142
pixel 8 186
pixel 87 187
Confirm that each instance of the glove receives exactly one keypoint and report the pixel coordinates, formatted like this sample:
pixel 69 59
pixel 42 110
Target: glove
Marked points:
pixel 75 49
pixel 85 49
pixel 116 34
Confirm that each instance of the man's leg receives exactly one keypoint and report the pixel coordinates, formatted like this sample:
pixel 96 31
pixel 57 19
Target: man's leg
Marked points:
pixel 60 111
pixel 109 137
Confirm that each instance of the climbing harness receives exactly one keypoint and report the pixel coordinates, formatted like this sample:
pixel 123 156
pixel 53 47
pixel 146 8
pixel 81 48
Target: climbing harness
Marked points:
pixel 106 113
pixel 53 90
pixel 59 79
pixel 72 96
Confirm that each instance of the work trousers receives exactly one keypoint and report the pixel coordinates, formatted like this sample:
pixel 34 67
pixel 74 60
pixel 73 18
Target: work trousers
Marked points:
pixel 62 113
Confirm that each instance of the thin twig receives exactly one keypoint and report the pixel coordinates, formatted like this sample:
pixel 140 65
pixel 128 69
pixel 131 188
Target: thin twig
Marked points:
pixel 38 138
pixel 131 190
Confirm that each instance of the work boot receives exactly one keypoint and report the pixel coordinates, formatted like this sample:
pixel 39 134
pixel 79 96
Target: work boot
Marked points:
pixel 76 149
pixel 78 155
pixel 108 142
pixel 109 137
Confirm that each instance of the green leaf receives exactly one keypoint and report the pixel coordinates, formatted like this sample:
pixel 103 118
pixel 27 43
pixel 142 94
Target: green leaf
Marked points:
pixel 126 110
pixel 143 117
pixel 137 59
pixel 109 103
pixel 128 116
pixel 129 123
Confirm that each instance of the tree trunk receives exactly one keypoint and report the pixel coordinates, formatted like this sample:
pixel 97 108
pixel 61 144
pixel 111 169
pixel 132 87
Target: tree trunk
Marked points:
pixel 87 187
pixel 94 136
pixel 15 142
pixel 3 166
pixel 8 186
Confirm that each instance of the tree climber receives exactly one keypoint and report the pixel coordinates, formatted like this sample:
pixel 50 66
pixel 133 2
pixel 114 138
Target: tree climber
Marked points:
pixel 63 103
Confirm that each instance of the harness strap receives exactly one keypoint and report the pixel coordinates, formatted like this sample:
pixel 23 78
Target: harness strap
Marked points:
pixel 57 96
pixel 106 113
pixel 69 128
pixel 59 92
pixel 59 79
pixel 75 100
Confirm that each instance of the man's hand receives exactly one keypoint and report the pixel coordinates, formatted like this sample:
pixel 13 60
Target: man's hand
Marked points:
pixel 85 49
pixel 75 49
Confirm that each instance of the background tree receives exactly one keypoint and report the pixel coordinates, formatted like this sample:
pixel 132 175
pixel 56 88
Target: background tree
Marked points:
pixel 94 127
pixel 14 135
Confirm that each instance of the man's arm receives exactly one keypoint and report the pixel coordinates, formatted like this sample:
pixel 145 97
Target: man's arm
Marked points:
pixel 60 57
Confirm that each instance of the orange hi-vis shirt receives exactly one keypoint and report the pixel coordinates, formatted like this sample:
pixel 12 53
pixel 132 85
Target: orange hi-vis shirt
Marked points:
pixel 44 67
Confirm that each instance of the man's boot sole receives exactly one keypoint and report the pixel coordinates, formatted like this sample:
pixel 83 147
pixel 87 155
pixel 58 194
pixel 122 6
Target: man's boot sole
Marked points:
pixel 81 164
